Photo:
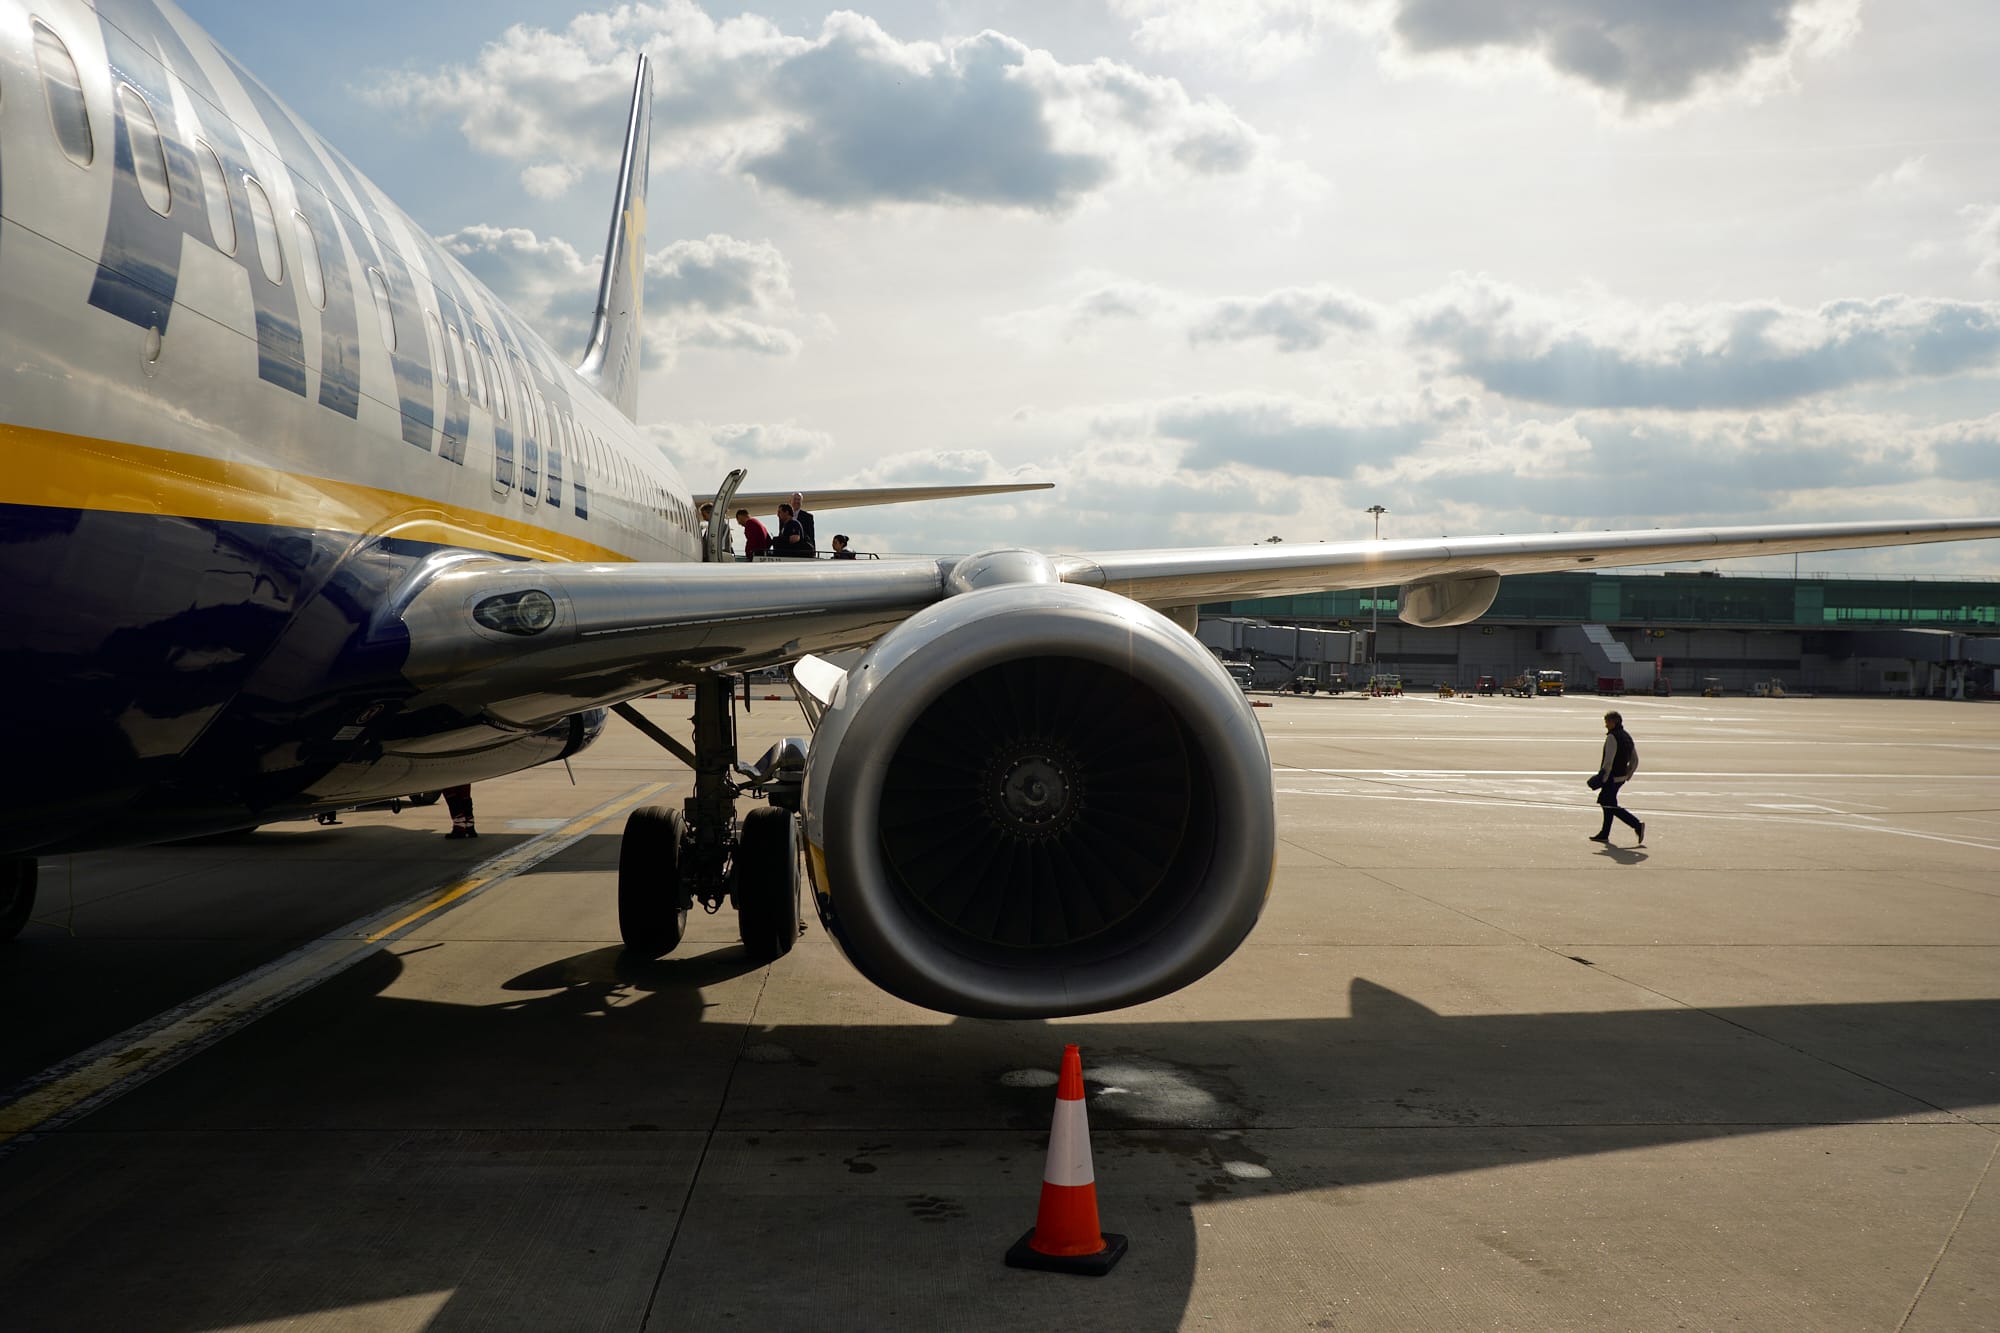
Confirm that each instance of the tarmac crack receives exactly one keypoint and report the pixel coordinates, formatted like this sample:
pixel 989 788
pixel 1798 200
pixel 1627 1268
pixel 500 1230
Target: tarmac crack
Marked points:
pixel 1950 1235
pixel 707 1142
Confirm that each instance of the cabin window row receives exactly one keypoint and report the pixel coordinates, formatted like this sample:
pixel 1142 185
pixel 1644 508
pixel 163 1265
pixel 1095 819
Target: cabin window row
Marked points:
pixel 69 115
pixel 465 360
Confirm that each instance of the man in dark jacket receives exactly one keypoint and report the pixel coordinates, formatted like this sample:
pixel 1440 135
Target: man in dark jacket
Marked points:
pixel 1620 762
pixel 790 538
pixel 805 518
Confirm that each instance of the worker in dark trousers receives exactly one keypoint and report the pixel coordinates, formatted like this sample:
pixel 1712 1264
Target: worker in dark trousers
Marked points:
pixel 458 800
pixel 1620 762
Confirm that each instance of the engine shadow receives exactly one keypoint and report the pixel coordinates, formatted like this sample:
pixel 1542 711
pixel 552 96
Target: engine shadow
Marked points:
pixel 607 1119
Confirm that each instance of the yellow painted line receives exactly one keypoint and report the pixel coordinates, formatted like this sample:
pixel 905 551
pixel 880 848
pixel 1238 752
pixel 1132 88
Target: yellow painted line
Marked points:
pixel 116 1066
pixel 49 469
pixel 517 860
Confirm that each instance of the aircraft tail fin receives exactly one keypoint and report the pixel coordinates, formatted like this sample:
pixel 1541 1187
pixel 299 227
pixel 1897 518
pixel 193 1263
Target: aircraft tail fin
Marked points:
pixel 611 359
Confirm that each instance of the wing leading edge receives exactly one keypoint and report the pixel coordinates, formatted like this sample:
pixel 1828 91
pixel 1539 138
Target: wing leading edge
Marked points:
pixel 1187 576
pixel 613 631
pixel 861 497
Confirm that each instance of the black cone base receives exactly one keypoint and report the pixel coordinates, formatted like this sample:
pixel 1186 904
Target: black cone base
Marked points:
pixel 1089 1265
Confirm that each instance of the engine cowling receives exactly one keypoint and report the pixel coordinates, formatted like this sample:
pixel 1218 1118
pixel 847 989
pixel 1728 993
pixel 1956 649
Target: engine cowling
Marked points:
pixel 1036 800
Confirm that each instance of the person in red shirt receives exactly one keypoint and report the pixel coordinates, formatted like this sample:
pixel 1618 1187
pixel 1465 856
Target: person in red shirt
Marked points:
pixel 756 540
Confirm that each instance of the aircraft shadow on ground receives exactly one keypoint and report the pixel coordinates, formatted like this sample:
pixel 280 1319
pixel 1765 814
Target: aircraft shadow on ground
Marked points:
pixel 352 1074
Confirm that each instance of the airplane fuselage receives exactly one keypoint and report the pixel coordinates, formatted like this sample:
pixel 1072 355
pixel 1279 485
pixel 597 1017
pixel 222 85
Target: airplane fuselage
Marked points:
pixel 246 401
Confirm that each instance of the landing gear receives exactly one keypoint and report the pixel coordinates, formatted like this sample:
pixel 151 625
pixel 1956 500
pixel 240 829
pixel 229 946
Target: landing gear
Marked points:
pixel 652 902
pixel 17 894
pixel 672 860
pixel 766 883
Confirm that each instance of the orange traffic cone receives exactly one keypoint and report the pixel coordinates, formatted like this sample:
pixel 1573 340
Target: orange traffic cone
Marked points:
pixel 1065 1238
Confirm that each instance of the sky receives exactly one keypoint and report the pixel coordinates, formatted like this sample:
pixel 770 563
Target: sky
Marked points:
pixel 1231 269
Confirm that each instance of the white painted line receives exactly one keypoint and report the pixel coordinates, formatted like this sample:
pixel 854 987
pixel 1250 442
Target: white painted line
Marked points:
pixel 1574 807
pixel 1376 770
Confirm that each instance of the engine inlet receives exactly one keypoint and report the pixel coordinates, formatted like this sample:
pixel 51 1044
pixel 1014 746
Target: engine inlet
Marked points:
pixel 1039 803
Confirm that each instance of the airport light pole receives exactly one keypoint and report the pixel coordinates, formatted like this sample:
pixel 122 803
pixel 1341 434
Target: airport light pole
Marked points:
pixel 1374 600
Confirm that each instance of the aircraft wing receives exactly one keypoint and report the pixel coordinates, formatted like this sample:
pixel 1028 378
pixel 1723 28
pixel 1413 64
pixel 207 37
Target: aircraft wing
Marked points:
pixel 1193 575
pixel 529 643
pixel 860 497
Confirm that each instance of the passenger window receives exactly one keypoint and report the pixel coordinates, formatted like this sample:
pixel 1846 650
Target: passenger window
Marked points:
pixel 310 272
pixel 457 348
pixel 264 225
pixel 215 190
pixel 555 460
pixel 435 331
pixel 496 386
pixel 149 157
pixel 531 471
pixel 385 315
pixel 64 91
pixel 475 379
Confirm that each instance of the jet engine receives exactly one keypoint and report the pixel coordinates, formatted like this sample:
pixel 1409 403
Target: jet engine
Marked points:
pixel 1037 799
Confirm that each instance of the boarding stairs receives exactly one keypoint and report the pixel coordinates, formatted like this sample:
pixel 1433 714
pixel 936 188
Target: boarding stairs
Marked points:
pixel 1604 656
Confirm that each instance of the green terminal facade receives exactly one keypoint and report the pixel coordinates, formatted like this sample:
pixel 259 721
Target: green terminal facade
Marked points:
pixel 1689 630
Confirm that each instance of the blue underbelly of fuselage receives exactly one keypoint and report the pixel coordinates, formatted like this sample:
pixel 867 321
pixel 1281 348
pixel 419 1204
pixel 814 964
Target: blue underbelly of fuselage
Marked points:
pixel 172 676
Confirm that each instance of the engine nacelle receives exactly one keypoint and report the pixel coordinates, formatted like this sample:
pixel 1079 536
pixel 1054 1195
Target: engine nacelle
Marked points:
pixel 1034 800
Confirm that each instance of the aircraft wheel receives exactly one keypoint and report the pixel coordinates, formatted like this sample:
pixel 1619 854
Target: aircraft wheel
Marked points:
pixel 767 883
pixel 421 798
pixel 652 908
pixel 17 894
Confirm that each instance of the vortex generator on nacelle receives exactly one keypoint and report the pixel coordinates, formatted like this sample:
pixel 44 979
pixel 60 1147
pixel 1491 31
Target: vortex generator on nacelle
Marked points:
pixel 1038 799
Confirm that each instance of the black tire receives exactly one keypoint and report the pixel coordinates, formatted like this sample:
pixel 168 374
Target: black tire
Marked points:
pixel 766 886
pixel 652 907
pixel 17 894
pixel 423 798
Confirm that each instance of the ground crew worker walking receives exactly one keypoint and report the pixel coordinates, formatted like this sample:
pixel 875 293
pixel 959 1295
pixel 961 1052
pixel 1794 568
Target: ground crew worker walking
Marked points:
pixel 1620 762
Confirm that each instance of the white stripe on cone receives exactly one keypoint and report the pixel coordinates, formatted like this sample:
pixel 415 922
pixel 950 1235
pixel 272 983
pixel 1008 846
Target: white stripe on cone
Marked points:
pixel 1069 1146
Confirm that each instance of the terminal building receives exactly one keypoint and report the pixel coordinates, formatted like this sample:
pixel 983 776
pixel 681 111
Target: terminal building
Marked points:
pixel 1678 632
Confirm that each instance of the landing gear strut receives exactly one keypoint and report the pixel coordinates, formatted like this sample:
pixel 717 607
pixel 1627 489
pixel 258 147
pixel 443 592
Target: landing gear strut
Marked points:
pixel 17 894
pixel 671 860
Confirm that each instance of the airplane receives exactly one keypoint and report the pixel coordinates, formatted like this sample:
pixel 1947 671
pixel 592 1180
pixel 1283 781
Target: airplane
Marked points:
pixel 297 516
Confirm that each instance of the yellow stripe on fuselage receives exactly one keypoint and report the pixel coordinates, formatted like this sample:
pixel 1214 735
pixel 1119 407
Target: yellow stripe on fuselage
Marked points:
pixel 48 469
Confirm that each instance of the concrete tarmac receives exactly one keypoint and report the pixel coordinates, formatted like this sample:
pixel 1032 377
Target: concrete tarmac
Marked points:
pixel 1470 1072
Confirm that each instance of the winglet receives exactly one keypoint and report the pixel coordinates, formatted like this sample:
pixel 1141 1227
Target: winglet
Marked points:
pixel 611 359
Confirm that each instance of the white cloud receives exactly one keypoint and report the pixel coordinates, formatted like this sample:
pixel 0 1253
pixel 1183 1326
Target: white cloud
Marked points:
pixel 1983 237
pixel 542 279
pixel 1578 350
pixel 1901 178
pixel 1642 57
pixel 1723 355
pixel 1291 319
pixel 718 292
pixel 1252 35
pixel 1298 319
pixel 704 452
pixel 550 180
pixel 849 119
